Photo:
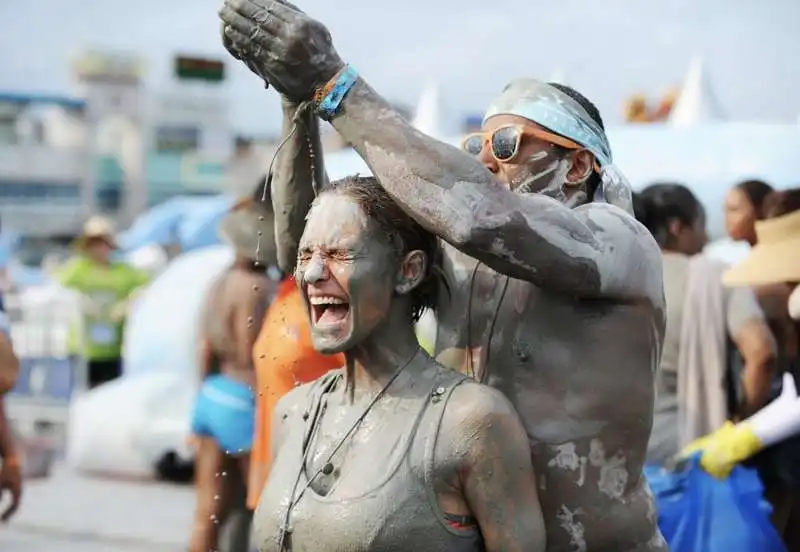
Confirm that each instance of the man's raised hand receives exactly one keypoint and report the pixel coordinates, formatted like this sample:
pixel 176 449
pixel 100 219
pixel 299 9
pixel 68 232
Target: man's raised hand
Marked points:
pixel 281 44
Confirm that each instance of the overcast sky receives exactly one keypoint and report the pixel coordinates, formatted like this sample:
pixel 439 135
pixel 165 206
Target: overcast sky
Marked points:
pixel 607 49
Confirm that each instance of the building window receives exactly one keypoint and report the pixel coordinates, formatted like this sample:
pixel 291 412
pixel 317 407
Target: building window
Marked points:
pixel 176 139
pixel 108 198
pixel 27 193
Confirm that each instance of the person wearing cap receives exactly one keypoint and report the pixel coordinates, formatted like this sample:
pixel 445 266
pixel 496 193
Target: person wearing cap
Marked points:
pixel 106 288
pixel 555 291
pixel 222 423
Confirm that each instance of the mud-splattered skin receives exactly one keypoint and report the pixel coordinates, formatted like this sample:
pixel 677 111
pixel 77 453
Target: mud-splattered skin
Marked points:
pixel 565 315
pixel 378 497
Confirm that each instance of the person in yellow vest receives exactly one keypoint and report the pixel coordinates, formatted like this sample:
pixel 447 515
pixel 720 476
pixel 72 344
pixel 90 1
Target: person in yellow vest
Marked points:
pixel 106 287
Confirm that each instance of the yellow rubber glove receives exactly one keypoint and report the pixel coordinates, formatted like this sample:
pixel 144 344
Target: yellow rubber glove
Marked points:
pixel 723 449
pixel 426 346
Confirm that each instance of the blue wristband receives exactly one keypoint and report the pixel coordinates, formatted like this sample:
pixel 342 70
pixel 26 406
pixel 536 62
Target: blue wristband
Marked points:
pixel 330 103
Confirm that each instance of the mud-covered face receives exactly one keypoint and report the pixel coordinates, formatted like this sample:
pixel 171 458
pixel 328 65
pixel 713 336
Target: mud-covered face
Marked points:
pixel 528 163
pixel 346 273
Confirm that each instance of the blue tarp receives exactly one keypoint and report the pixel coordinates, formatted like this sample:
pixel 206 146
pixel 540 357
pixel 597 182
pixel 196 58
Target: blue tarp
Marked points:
pixel 199 227
pixel 698 513
pixel 190 221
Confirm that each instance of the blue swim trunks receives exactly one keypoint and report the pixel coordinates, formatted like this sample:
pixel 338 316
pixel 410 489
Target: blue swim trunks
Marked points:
pixel 225 410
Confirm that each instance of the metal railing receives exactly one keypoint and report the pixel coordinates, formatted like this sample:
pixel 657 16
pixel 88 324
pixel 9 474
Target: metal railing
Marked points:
pixel 49 375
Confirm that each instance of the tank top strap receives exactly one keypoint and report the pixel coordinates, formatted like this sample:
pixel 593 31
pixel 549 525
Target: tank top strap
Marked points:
pixel 314 405
pixel 440 397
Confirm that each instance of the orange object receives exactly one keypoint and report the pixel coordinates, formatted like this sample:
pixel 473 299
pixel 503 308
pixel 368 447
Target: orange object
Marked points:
pixel 284 358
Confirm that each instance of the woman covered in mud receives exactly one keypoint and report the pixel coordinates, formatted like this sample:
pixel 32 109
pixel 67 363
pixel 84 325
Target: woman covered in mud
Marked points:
pixel 392 452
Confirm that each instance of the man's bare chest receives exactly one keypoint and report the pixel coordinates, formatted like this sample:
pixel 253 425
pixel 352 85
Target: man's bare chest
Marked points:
pixel 496 318
pixel 540 348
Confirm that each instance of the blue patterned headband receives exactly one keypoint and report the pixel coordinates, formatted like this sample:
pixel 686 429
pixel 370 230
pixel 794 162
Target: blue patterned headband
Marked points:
pixel 554 110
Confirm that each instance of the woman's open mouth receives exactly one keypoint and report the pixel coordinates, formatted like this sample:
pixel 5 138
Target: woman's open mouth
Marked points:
pixel 328 311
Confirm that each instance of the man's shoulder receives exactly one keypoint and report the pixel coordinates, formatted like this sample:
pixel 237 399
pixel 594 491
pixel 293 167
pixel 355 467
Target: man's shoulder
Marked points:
pixel 613 222
pixel 631 263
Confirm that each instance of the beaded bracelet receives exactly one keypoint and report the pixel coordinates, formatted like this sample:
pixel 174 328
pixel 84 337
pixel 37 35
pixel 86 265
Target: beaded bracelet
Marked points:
pixel 329 97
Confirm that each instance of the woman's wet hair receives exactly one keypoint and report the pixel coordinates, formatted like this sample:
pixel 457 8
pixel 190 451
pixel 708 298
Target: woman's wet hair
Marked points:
pixel 402 232
pixel 781 203
pixel 659 205
pixel 756 192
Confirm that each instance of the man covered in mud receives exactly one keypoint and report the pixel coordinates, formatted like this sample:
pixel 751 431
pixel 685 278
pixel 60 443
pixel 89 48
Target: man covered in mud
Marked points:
pixel 556 294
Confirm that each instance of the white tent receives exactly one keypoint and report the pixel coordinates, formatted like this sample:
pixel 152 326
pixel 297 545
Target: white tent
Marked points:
pixel 431 116
pixel 697 102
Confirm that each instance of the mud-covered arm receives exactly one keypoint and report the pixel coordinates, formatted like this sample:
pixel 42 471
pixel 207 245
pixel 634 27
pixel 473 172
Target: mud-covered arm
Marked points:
pixel 495 472
pixel 292 184
pixel 533 238
pixel 447 191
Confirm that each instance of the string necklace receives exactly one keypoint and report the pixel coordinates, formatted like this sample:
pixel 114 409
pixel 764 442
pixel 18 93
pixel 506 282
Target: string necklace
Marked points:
pixel 327 467
pixel 483 377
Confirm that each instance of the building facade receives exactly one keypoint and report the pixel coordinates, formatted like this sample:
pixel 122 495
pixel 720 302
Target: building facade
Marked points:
pixel 113 148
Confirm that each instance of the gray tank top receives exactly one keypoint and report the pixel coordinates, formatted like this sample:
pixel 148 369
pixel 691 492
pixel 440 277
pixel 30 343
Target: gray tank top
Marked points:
pixel 399 513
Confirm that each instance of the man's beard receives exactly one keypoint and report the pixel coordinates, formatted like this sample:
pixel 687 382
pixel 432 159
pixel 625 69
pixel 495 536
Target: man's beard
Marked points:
pixel 552 182
pixel 549 181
